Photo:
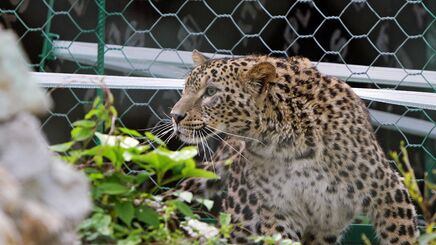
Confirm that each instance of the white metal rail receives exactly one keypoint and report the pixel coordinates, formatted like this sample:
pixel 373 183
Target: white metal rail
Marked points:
pixel 175 63
pixel 398 97
pixel 386 120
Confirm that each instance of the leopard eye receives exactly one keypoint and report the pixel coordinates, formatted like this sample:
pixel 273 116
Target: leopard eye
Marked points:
pixel 210 91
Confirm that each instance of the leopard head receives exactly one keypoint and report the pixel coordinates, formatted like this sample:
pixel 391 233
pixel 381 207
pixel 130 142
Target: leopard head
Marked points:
pixel 222 95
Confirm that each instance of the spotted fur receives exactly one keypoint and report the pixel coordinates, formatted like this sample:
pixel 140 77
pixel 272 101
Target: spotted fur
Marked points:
pixel 310 161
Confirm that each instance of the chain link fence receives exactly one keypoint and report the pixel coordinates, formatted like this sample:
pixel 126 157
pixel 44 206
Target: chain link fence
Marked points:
pixel 148 38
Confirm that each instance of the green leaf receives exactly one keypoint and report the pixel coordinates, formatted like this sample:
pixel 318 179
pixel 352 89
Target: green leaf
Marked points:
pixel 106 139
pixel 112 188
pixel 183 208
pixel 287 242
pixel 98 160
pixel 113 114
pixel 96 102
pixel 91 113
pixel 123 141
pixel 225 219
pixel 84 124
pixel 206 202
pixel 141 178
pixel 80 134
pixel 100 222
pixel 184 154
pixel 125 211
pixel 195 172
pixel 277 237
pixel 147 215
pixel 190 163
pixel 118 177
pixel 130 132
pixel 151 137
pixel 95 176
pixel 73 156
pixel 150 159
pixel 139 149
pixel 132 239
pixel 427 238
pixel 113 153
pixel 185 196
pixel 96 150
pixel 166 159
pixel 62 147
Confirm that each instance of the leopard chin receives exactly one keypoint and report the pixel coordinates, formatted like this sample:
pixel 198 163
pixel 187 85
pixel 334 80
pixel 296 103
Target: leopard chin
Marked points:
pixel 192 136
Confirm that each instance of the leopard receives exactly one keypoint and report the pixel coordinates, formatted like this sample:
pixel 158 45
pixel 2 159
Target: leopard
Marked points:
pixel 305 159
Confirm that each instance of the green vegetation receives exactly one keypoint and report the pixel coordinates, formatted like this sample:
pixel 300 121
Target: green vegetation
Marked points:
pixel 128 172
pixel 425 200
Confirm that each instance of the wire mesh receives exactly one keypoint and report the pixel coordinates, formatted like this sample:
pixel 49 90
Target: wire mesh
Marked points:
pixel 389 33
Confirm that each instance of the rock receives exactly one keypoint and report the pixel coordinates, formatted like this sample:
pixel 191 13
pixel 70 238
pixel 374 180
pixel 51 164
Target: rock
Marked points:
pixel 9 197
pixel 18 90
pixel 42 199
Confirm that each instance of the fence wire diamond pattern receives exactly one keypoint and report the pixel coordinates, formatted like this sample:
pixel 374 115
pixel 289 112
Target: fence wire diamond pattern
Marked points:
pixel 390 33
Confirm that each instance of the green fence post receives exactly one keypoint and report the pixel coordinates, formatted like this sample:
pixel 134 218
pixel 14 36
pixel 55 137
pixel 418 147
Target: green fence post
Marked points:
pixel 101 30
pixel 47 43
pixel 101 33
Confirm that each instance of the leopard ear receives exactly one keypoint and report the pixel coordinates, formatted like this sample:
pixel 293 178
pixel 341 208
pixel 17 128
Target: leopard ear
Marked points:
pixel 198 58
pixel 260 76
pixel 263 71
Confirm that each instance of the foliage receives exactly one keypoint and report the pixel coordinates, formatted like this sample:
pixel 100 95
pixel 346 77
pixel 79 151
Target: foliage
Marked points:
pixel 129 172
pixel 425 201
pixel 274 240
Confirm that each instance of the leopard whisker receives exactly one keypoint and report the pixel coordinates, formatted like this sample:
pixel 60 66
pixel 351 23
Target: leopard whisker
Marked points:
pixel 236 135
pixel 162 128
pixel 222 140
pixel 171 136
pixel 181 145
pixel 202 145
pixel 210 154
pixel 193 136
pixel 168 117
pixel 158 128
pixel 164 132
pixel 164 123
pixel 146 129
pixel 202 140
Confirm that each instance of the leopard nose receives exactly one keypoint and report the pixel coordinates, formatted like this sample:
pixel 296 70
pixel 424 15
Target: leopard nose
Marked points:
pixel 178 117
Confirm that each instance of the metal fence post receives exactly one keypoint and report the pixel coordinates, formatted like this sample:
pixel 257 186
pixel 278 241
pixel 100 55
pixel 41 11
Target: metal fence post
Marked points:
pixel 101 33
pixel 101 29
pixel 47 43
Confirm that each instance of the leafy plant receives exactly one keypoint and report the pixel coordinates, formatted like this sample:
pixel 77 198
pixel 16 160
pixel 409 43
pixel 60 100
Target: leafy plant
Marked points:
pixel 128 172
pixel 273 240
pixel 424 201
